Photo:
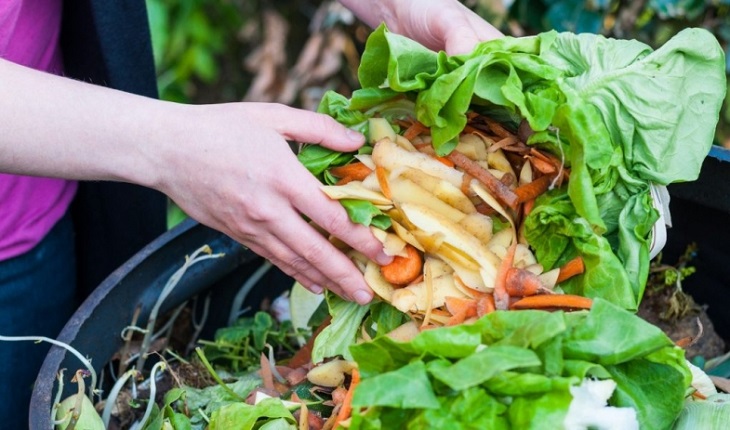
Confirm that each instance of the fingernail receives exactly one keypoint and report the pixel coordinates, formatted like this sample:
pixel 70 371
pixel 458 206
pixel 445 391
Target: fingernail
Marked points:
pixel 354 136
pixel 383 258
pixel 362 297
pixel 316 289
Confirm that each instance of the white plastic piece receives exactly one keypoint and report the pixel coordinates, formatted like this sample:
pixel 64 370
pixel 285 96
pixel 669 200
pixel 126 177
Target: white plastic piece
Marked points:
pixel 660 200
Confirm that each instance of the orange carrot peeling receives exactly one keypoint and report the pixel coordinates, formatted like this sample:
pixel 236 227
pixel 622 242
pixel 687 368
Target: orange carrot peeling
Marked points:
pixel 382 176
pixel 527 207
pixel 542 165
pixel 534 189
pixel 403 270
pixel 571 268
pixel 522 283
pixel 346 409
pixel 456 319
pixel 414 130
pixel 460 309
pixel 357 171
pixel 501 297
pixel 553 301
pixel 345 180
pixel 501 191
pixel 485 304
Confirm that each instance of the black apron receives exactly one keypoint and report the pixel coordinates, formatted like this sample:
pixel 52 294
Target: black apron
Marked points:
pixel 108 43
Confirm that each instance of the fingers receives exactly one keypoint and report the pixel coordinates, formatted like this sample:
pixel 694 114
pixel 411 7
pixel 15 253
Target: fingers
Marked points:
pixel 301 252
pixel 303 190
pixel 332 217
pixel 305 126
pixel 463 39
pixel 463 30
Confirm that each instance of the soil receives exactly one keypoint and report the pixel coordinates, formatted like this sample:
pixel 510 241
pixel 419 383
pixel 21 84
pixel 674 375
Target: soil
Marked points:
pixel 682 319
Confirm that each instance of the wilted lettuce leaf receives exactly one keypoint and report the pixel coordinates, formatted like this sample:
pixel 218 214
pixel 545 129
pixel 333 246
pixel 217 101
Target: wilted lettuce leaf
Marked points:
pixel 366 213
pixel 269 413
pixel 406 387
pixel 337 337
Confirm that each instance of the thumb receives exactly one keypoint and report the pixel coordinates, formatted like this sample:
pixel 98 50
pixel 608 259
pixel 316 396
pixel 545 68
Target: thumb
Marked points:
pixel 461 43
pixel 311 127
pixel 464 39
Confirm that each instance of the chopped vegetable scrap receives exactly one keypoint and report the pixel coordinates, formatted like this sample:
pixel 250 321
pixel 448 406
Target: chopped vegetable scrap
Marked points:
pixel 435 223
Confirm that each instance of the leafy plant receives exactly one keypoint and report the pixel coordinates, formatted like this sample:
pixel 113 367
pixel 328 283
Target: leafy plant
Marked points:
pixel 667 279
pixel 194 43
pixel 239 346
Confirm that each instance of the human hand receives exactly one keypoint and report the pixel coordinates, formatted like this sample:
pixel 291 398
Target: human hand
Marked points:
pixel 237 174
pixel 437 24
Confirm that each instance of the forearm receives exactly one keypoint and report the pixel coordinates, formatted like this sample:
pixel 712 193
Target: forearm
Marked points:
pixel 58 127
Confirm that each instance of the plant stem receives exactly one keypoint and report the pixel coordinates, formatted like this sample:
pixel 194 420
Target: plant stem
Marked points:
pixel 215 375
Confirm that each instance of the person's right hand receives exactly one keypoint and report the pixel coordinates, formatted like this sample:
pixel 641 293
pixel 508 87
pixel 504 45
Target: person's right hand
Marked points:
pixel 230 167
pixel 437 24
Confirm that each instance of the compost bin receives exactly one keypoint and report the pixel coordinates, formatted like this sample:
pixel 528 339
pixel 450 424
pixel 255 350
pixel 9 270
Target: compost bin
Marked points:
pixel 95 329
pixel 700 213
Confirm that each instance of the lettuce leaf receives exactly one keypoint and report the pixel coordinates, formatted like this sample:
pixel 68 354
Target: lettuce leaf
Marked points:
pixel 337 337
pixel 269 413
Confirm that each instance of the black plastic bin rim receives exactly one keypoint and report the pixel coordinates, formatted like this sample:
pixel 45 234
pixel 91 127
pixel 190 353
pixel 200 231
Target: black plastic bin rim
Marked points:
pixel 140 280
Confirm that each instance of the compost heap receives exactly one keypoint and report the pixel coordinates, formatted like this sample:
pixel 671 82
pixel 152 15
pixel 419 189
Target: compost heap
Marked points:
pixel 501 169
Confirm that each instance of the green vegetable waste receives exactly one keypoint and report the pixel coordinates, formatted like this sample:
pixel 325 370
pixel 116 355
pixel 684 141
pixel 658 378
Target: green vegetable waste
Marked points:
pixel 620 115
pixel 510 369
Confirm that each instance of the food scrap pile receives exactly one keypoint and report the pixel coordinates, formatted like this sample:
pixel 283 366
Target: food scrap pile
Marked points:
pixel 455 221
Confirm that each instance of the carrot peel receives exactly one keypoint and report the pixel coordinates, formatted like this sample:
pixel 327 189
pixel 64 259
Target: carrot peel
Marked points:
pixel 346 409
pixel 485 305
pixel 382 176
pixel 403 270
pixel 571 268
pixel 501 297
pixel 414 130
pixel 553 301
pixel 534 189
pixel 494 185
pixel 355 171
pixel 522 283
pixel 460 309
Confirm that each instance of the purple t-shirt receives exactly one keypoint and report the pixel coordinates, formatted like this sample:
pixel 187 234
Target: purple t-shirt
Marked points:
pixel 30 206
